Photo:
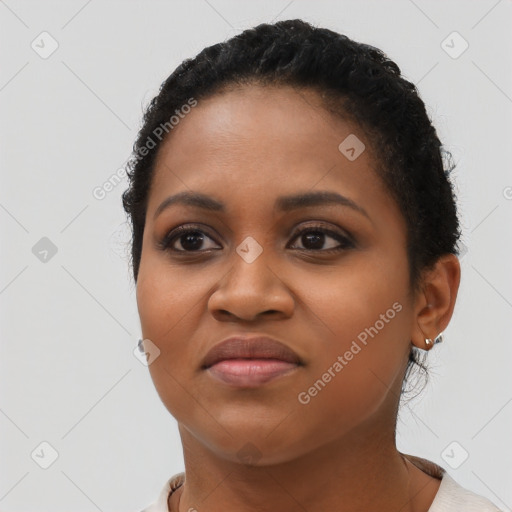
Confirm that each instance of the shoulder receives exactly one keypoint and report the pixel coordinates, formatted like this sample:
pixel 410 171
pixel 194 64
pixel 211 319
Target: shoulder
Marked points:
pixel 451 496
pixel 160 505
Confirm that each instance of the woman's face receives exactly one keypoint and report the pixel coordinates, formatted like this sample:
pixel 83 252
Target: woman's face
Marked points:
pixel 338 295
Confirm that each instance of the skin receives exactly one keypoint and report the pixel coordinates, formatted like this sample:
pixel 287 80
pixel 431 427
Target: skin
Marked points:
pixel 245 147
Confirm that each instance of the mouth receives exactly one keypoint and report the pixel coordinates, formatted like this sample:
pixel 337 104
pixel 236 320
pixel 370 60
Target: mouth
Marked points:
pixel 250 362
pixel 249 372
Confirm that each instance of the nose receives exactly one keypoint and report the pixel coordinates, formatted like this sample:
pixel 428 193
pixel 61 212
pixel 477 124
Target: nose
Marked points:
pixel 250 290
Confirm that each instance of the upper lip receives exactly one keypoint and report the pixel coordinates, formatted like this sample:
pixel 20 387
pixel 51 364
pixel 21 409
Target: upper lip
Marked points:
pixel 243 347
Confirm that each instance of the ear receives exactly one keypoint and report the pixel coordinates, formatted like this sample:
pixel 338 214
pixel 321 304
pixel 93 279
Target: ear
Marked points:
pixel 435 302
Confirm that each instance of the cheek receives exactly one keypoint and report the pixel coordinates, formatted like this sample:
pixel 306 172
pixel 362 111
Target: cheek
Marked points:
pixel 170 307
pixel 361 297
pixel 160 311
pixel 362 345
pixel 165 297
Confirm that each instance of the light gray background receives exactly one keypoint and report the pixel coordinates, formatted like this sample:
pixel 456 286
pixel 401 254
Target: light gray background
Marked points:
pixel 69 325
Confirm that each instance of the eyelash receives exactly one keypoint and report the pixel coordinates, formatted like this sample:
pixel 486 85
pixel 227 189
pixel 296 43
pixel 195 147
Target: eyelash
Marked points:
pixel 345 241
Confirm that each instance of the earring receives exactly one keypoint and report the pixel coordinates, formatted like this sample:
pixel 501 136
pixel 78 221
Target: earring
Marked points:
pixel 437 339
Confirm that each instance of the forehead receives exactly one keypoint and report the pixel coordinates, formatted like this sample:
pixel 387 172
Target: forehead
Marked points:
pixel 255 114
pixel 256 136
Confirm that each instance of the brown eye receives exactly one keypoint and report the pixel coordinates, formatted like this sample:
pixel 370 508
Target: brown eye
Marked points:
pixel 187 239
pixel 314 239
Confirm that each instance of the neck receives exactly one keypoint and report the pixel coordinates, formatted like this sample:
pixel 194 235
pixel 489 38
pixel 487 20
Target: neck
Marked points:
pixel 358 472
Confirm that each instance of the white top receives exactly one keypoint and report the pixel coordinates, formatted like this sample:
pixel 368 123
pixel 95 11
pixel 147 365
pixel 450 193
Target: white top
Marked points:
pixel 450 497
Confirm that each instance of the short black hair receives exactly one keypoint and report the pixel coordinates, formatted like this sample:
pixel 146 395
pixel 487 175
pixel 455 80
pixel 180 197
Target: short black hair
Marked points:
pixel 353 79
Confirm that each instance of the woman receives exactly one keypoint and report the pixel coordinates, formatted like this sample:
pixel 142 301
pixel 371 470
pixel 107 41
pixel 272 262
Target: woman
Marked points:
pixel 295 253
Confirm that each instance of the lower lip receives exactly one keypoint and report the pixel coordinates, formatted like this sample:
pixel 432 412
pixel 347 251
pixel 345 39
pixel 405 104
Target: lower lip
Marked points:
pixel 249 372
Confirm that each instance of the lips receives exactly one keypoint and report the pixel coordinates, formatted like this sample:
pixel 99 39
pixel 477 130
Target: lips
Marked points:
pixel 250 362
pixel 250 348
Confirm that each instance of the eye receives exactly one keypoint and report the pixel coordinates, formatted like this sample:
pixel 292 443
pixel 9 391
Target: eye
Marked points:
pixel 313 238
pixel 190 238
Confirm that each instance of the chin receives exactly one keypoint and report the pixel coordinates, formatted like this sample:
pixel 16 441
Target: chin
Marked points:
pixel 253 447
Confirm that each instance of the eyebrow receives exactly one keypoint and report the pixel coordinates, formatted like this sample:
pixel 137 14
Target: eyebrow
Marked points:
pixel 283 203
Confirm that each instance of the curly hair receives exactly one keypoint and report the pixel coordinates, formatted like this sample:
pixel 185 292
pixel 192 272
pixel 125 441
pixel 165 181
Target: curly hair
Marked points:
pixel 353 80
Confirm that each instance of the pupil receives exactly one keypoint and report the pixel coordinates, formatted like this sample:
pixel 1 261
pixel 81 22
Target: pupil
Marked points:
pixel 191 241
pixel 315 238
